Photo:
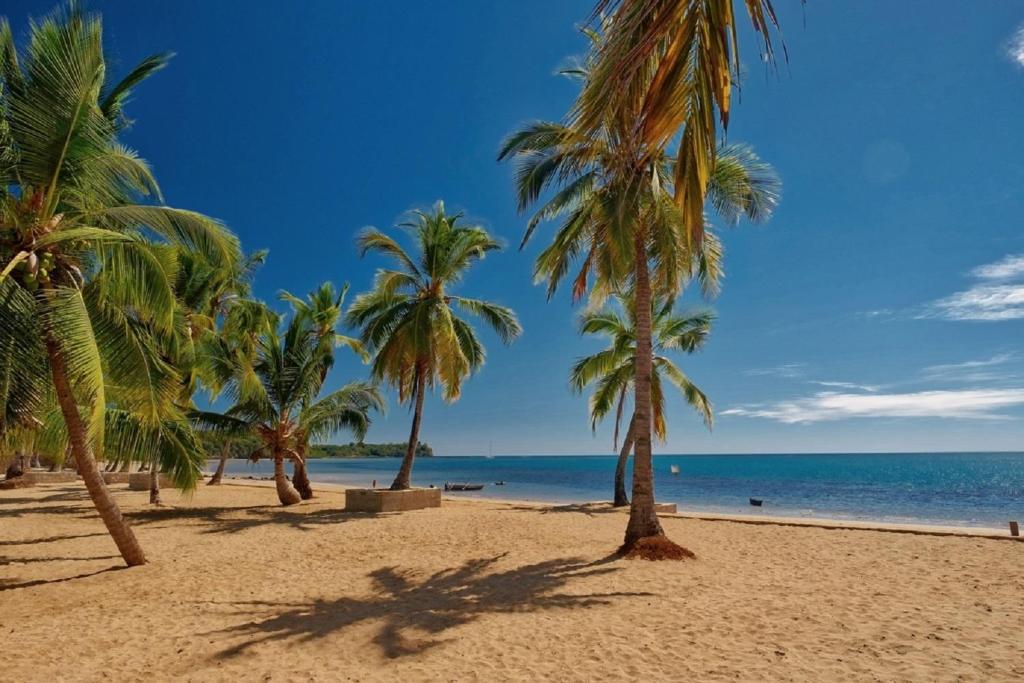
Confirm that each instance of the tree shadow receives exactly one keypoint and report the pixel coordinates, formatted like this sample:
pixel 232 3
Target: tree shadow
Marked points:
pixel 51 539
pixel 5 560
pixel 589 509
pixel 226 520
pixel 14 584
pixel 416 612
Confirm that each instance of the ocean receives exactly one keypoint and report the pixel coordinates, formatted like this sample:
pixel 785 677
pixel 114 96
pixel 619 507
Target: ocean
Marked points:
pixel 964 489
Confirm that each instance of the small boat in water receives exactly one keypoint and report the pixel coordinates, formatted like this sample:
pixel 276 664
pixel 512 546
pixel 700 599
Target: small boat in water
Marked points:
pixel 499 483
pixel 449 486
pixel 674 469
pixel 756 502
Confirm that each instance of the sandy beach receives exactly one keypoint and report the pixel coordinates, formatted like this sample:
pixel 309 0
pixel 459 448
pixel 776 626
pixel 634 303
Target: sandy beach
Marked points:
pixel 239 588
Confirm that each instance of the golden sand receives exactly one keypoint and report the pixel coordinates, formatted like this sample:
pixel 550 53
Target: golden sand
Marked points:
pixel 239 588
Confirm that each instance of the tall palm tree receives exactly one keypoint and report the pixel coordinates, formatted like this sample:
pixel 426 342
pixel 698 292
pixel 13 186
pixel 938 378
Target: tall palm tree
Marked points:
pixel 620 223
pixel 662 68
pixel 68 202
pixel 409 320
pixel 613 370
pixel 283 408
pixel 320 313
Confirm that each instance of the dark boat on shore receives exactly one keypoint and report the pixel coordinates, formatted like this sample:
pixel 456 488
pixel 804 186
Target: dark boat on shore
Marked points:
pixel 756 502
pixel 448 486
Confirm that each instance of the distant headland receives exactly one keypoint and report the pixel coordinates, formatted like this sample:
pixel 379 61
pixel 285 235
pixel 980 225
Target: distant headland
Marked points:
pixel 367 450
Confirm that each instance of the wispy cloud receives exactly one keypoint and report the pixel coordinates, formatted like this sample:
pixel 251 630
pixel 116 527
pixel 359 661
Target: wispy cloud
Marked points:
pixel 1015 47
pixel 968 370
pixel 829 406
pixel 847 385
pixel 997 296
pixel 788 370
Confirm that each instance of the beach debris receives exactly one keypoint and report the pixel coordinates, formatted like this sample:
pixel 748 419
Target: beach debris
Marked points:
pixel 655 548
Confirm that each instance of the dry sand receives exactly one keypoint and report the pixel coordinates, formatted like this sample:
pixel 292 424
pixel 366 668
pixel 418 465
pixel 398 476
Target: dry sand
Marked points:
pixel 241 589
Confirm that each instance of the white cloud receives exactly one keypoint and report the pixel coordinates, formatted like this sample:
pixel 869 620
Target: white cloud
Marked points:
pixel 947 370
pixel 788 370
pixel 848 385
pixel 986 303
pixel 1015 48
pixel 829 406
pixel 1011 267
pixel 997 297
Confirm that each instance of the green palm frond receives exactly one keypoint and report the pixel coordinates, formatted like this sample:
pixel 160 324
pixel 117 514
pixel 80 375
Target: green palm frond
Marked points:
pixel 407 321
pixel 611 371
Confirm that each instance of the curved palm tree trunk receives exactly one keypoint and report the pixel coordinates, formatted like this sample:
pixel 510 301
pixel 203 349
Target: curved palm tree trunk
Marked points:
pixel 219 474
pixel 404 478
pixel 286 493
pixel 116 524
pixel 621 499
pixel 154 483
pixel 301 477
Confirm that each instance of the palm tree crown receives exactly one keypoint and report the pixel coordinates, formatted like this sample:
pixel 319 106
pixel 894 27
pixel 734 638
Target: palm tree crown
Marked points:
pixel 613 369
pixel 409 320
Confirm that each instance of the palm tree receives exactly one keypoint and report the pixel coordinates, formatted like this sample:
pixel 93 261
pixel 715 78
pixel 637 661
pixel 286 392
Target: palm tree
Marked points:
pixel 409 320
pixel 620 223
pixel 321 313
pixel 661 68
pixel 68 202
pixel 613 370
pixel 225 360
pixel 282 407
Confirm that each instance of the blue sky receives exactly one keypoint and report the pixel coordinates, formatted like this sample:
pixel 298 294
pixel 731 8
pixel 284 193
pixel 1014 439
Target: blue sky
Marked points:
pixel 880 310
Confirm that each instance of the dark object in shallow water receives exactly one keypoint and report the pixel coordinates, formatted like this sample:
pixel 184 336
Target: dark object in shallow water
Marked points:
pixel 756 502
pixel 448 486
pixel 499 483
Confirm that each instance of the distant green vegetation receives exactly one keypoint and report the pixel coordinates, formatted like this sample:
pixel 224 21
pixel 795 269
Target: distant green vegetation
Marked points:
pixel 367 450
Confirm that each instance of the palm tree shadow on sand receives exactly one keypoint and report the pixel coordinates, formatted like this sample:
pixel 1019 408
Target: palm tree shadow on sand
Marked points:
pixel 415 613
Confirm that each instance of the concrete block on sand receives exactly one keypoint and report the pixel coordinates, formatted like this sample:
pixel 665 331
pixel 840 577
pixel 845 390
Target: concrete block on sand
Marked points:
pixel 385 500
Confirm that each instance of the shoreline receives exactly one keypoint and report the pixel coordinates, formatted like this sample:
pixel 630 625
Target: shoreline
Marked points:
pixel 787 521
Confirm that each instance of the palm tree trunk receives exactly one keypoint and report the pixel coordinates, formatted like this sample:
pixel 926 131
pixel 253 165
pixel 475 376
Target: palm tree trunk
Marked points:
pixel 621 500
pixel 301 478
pixel 404 478
pixel 118 527
pixel 286 493
pixel 644 536
pixel 154 483
pixel 219 474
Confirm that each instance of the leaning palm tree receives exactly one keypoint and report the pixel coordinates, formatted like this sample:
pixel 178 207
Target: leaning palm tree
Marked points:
pixel 613 369
pixel 409 320
pixel 68 207
pixel 320 313
pixel 621 225
pixel 282 407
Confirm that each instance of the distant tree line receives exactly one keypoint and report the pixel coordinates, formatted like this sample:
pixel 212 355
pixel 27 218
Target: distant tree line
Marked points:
pixel 367 450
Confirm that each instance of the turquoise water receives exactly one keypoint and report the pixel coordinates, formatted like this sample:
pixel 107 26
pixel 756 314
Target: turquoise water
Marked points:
pixel 972 489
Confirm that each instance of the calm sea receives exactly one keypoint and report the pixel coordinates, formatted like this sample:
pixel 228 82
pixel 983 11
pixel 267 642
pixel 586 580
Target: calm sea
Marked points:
pixel 971 489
